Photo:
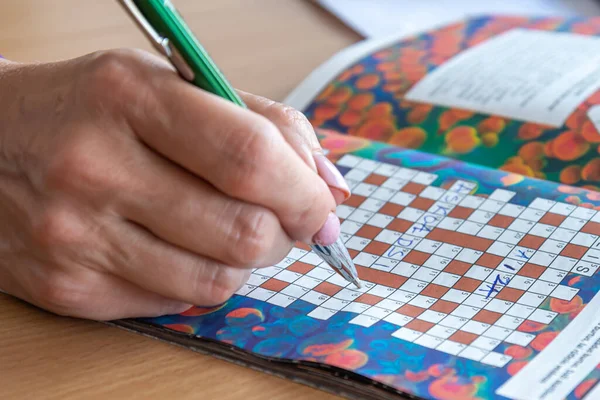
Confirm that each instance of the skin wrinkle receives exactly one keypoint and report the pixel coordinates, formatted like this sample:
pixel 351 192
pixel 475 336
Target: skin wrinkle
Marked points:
pixel 101 160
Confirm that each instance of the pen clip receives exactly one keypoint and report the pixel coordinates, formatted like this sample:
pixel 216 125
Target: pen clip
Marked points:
pixel 162 44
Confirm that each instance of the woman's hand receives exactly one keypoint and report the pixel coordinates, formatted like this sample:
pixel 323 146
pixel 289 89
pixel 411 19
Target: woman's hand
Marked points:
pixel 125 191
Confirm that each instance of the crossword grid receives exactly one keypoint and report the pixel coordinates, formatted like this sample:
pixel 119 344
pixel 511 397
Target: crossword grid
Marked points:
pixel 455 272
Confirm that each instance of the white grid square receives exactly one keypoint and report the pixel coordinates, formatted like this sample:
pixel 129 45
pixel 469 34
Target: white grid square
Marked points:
pixel 492 205
pixel 502 195
pixel 475 327
pixel 429 341
pixel 543 316
pixel 398 319
pixel 584 239
pixel 469 255
pixel 564 292
pixel 511 210
pixel 394 183
pixel 506 244
pixel 414 286
pixel 520 338
pixel 364 320
pixel 455 296
pixel 441 331
pixel 473 353
pixel 485 343
pixel 446 279
pixel 465 311
pixel 432 316
pixel 422 301
pixel 451 347
pixel 496 359
pixel 542 204
pixel 453 321
pixel 562 209
pixel 380 220
pixel 497 332
pixel 406 334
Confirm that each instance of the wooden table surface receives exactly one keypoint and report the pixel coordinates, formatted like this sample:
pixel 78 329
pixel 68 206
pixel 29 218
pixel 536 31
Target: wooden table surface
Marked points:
pixel 263 46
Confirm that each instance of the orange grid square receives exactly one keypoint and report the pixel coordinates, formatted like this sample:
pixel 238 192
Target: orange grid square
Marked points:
pixel 489 260
pixel 399 225
pixel 327 288
pixel 376 247
pixel 274 284
pixel 419 325
pixel 416 257
pixel 457 267
pixel 463 337
pixel 533 242
pixel 591 227
pixel 413 188
pixel 487 317
pixel 368 231
pixel 467 284
pixel 573 251
pixel 355 200
pixel 531 271
pixel 433 290
pixel 380 277
pixel 410 310
pixel 369 299
pixel 391 209
pixel 501 221
pixel 509 294
pixel 443 306
pixel 460 212
pixel 422 203
pixel 552 219
pixel 376 179
pixel 300 267
pixel 302 246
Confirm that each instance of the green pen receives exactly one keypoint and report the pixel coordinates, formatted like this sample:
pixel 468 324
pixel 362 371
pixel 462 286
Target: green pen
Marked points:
pixel 169 34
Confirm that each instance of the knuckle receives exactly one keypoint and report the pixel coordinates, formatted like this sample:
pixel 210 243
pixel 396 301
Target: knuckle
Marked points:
pixel 59 293
pixel 251 157
pixel 76 166
pixel 290 116
pixel 251 236
pixel 56 230
pixel 112 75
pixel 225 283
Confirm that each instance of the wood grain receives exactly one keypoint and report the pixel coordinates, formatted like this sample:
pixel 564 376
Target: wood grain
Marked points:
pixel 263 46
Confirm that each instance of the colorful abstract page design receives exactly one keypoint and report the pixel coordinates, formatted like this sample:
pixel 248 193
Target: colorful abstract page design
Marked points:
pixel 471 274
pixel 540 74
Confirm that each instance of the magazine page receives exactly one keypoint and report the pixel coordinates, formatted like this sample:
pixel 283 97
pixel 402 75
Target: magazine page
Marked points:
pixel 478 284
pixel 517 94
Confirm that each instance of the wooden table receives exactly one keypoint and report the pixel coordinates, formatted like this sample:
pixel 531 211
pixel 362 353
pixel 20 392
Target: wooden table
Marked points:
pixel 263 46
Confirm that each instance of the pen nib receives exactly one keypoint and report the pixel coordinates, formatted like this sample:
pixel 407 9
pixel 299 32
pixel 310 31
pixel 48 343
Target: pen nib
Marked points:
pixel 337 256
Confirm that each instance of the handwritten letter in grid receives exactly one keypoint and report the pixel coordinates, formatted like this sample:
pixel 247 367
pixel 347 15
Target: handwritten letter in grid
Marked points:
pixel 453 271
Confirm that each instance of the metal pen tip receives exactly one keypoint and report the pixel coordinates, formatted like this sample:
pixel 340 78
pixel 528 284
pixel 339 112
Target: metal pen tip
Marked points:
pixel 357 283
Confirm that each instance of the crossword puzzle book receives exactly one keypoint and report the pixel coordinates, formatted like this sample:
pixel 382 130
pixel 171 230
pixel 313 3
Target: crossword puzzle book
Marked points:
pixel 473 155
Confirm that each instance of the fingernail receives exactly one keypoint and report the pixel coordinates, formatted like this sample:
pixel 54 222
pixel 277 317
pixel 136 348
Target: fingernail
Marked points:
pixel 330 231
pixel 330 174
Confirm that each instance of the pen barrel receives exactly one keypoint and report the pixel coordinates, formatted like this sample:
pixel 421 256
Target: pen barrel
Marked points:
pixel 169 24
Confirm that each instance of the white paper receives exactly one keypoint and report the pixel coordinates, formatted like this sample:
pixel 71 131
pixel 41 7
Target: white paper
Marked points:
pixel 563 364
pixel 527 75
pixel 594 116
pixel 377 18
pixel 593 394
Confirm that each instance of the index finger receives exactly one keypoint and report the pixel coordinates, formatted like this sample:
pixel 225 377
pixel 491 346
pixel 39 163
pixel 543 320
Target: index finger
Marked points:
pixel 239 152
